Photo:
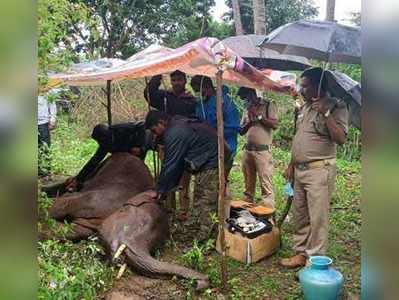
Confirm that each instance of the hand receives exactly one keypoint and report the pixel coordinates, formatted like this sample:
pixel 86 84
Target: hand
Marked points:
pixel 71 184
pixel 293 92
pixel 289 173
pixel 320 105
pixel 136 151
pixel 51 125
pixel 160 197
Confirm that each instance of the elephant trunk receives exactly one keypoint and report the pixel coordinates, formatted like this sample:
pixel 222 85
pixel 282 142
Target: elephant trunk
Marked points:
pixel 145 263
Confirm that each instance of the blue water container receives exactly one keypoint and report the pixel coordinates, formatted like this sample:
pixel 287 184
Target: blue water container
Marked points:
pixel 320 281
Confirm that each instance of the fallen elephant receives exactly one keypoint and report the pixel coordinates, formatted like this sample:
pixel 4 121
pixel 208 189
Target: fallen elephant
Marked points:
pixel 118 204
pixel 121 177
pixel 141 226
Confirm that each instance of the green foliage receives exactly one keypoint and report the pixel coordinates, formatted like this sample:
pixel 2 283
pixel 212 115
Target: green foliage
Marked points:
pixel 278 13
pixel 71 271
pixel 193 21
pixel 195 257
pixel 56 19
pixel 69 151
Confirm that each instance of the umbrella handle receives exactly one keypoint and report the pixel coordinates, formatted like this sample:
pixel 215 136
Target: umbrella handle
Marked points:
pixel 325 66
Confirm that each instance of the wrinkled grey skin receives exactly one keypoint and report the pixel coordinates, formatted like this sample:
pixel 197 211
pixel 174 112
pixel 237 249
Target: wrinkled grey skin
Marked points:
pixel 118 204
pixel 141 224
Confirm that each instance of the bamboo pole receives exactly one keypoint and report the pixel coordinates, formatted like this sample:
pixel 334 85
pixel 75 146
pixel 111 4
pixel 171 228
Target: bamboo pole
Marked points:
pixel 221 210
pixel 109 108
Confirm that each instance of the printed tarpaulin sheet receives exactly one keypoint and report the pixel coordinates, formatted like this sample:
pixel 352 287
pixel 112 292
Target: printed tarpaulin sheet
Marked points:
pixel 204 56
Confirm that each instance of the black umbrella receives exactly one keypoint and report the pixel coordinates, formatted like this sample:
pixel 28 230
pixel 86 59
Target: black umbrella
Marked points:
pixel 321 40
pixel 247 46
pixel 342 86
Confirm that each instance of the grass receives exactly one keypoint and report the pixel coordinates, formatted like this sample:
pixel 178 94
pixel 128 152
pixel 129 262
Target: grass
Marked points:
pixel 80 271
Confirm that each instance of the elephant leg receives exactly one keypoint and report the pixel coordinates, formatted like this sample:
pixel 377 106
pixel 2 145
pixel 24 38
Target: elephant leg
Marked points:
pixel 79 232
pixel 143 262
pixel 75 233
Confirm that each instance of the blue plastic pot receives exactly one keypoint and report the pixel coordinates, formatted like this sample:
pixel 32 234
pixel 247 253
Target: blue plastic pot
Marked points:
pixel 320 281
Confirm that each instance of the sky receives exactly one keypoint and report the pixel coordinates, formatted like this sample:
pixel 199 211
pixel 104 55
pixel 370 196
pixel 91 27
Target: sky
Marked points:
pixel 343 8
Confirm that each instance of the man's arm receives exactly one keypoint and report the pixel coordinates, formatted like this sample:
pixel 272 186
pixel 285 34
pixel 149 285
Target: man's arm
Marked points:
pixel 268 122
pixel 336 121
pixel 269 118
pixel 337 133
pixel 176 146
pixel 91 165
pixel 154 96
pixel 245 127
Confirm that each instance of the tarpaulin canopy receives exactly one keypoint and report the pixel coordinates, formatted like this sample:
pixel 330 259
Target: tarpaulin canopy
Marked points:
pixel 204 56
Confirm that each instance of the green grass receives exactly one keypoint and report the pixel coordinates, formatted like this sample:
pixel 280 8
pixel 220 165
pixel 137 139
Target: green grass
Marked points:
pixel 80 271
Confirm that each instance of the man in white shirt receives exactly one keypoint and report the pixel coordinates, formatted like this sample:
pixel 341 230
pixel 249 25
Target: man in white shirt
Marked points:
pixel 46 119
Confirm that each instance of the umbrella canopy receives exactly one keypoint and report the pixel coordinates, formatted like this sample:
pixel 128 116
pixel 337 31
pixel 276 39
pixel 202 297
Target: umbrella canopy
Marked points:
pixel 321 40
pixel 247 46
pixel 202 57
pixel 342 86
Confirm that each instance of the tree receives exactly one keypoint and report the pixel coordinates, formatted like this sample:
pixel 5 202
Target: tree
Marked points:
pixel 330 10
pixel 279 12
pixel 237 17
pixel 193 20
pixel 56 20
pixel 259 12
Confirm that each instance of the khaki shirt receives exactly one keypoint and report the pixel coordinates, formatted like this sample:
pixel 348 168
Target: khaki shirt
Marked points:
pixel 259 134
pixel 312 140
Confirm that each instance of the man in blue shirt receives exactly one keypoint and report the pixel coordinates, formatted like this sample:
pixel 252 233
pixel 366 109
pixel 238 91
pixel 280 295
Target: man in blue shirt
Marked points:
pixel 206 109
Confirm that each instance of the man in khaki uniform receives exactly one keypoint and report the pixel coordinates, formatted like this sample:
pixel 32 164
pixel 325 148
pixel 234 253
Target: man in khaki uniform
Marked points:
pixel 257 124
pixel 321 124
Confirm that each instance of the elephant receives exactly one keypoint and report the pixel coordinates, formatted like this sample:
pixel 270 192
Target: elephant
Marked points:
pixel 141 225
pixel 119 205
pixel 120 177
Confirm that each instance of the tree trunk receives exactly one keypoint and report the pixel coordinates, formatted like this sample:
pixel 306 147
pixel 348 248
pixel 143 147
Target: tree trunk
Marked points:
pixel 237 17
pixel 330 10
pixel 259 12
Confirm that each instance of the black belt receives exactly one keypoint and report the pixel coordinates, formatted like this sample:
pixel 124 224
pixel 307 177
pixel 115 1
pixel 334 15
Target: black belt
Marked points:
pixel 256 147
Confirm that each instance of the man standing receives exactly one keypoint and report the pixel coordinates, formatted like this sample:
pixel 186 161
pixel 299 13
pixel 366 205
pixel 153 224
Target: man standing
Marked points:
pixel 206 110
pixel 257 124
pixel 192 146
pixel 177 101
pixel 46 120
pixel 321 124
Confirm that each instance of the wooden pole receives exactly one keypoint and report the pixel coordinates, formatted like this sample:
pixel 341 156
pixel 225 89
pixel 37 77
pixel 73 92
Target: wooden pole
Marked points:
pixel 221 205
pixel 109 109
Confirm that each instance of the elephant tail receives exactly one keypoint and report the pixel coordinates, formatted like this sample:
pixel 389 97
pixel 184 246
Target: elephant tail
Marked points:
pixel 145 263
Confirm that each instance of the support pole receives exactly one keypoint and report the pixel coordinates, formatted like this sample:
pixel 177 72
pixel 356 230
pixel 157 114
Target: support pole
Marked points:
pixel 109 109
pixel 222 177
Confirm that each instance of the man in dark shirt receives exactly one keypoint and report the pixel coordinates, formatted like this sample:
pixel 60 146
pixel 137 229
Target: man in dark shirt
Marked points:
pixel 177 101
pixel 190 145
pixel 127 137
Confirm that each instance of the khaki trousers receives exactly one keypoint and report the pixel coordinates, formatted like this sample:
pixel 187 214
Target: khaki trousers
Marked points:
pixel 205 202
pixel 258 163
pixel 313 189
pixel 184 191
